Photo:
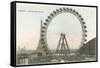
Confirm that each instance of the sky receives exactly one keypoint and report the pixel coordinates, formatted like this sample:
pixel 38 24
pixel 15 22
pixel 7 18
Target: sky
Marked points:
pixel 28 21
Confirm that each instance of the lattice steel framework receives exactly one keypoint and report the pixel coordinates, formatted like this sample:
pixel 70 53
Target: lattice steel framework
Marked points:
pixel 63 47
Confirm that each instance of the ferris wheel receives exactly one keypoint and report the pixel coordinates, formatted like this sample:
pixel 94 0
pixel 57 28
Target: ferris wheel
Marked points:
pixel 45 25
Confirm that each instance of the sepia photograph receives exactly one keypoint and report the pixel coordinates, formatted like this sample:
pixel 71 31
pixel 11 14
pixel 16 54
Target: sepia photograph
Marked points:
pixel 50 34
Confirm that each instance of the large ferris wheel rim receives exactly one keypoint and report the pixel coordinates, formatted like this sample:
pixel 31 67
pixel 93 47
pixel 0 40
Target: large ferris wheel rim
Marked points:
pixel 57 12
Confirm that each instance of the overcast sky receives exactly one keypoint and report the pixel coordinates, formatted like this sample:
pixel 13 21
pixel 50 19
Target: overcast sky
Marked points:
pixel 28 25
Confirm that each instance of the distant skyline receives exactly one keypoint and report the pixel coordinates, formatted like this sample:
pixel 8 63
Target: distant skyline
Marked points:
pixel 29 17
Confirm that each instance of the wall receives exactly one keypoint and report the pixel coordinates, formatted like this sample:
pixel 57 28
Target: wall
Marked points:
pixel 5 34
